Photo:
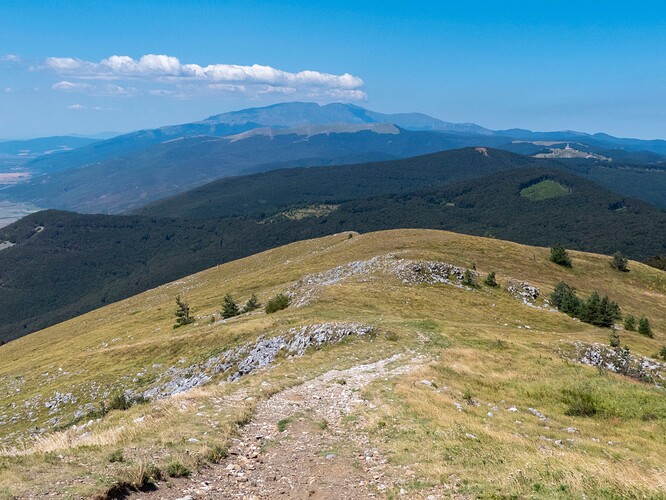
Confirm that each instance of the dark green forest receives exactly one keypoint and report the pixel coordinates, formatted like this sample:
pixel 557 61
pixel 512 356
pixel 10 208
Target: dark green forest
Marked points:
pixel 80 262
pixel 259 195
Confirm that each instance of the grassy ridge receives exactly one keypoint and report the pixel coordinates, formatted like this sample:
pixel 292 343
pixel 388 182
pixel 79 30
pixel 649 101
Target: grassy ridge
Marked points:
pixel 480 353
pixel 79 262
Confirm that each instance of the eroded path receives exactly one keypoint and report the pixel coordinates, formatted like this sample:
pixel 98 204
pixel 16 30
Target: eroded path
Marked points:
pixel 301 443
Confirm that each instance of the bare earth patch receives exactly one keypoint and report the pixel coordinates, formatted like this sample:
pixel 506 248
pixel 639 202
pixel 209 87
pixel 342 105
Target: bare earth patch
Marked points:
pixel 302 443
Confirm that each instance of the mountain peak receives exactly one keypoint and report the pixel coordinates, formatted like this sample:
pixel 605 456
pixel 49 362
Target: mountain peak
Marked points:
pixel 297 114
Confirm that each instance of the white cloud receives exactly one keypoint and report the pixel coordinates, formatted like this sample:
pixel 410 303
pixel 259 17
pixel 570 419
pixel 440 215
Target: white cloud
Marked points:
pixel 103 90
pixel 63 63
pixel 66 86
pixel 162 92
pixel 10 58
pixel 214 78
pixel 10 90
pixel 79 107
pixel 116 90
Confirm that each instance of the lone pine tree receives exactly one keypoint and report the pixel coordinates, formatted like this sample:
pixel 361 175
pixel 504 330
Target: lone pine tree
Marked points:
pixel 182 313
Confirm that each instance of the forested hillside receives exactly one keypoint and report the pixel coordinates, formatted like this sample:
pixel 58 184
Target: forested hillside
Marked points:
pixel 90 260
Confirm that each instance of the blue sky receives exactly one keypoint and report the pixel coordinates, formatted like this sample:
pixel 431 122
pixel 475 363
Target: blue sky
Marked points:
pixel 597 66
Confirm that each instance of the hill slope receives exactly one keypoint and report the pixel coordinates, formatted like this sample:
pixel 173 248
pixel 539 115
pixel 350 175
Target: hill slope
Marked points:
pixel 437 388
pixel 63 264
pixel 254 195
pixel 258 194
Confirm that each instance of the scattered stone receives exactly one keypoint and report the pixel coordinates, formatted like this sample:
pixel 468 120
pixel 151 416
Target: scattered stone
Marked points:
pixel 523 291
pixel 617 360
pixel 537 413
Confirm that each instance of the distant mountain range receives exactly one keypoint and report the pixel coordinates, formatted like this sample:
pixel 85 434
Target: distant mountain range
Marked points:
pixel 131 170
pixel 120 184
pixel 297 114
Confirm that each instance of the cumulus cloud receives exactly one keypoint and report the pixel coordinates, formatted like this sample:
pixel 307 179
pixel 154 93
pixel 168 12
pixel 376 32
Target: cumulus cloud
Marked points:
pixel 10 58
pixel 76 106
pixel 164 69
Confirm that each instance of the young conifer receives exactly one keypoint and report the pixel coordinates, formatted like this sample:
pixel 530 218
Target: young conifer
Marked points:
pixel 644 327
pixel 251 304
pixel 229 307
pixel 182 313
pixel 560 256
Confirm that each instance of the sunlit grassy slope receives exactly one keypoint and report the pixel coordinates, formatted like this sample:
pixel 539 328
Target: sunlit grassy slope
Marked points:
pixel 486 353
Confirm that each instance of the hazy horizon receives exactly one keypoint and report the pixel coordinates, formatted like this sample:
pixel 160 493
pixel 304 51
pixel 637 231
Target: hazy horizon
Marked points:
pixel 123 67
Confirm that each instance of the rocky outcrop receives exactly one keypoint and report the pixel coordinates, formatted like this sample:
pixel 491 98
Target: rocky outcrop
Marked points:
pixel 617 360
pixel 244 359
pixel 306 290
pixel 168 381
pixel 523 291
pixel 410 272
pixel 431 272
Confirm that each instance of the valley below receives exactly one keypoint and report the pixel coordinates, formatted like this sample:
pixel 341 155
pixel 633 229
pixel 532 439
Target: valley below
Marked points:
pixel 11 212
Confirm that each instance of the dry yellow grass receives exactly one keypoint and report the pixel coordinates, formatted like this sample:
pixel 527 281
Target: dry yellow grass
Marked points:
pixel 480 359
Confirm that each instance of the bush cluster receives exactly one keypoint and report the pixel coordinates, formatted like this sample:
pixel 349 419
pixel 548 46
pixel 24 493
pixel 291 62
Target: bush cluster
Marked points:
pixel 619 262
pixel 614 339
pixel 231 309
pixel 177 469
pixel 490 279
pixel 469 279
pixel 560 256
pixel 277 303
pixel 644 327
pixel 595 310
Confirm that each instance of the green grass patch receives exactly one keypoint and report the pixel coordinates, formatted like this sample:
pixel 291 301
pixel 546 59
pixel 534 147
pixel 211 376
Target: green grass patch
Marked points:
pixel 545 190
pixel 284 423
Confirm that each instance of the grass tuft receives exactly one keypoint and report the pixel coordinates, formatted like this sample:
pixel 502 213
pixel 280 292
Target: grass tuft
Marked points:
pixel 581 402
pixel 177 469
